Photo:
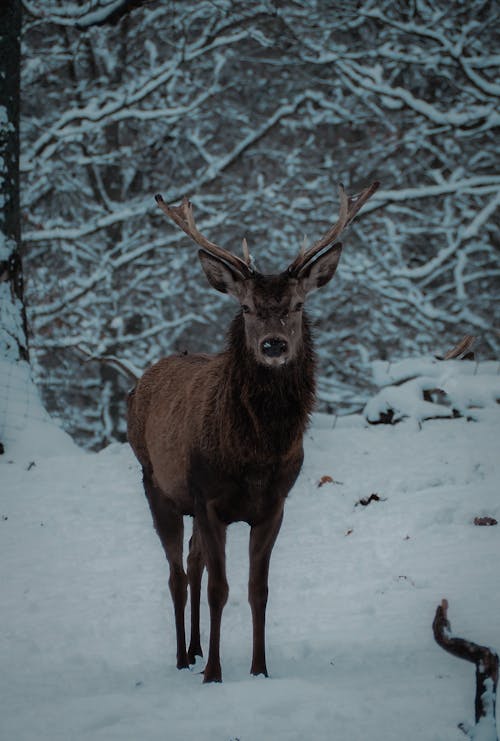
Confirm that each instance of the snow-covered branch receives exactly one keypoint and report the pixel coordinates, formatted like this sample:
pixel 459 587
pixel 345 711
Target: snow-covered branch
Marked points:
pixel 257 112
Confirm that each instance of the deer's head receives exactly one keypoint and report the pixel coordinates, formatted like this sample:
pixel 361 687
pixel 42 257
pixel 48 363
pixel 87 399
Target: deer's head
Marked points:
pixel 271 305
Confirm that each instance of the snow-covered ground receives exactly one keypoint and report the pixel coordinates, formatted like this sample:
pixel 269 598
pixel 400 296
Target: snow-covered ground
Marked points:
pixel 87 645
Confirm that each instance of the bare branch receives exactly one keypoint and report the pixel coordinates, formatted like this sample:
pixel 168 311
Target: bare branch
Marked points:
pixel 105 13
pixel 485 659
pixel 123 367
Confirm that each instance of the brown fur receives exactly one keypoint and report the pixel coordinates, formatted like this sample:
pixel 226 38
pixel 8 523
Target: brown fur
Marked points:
pixel 219 437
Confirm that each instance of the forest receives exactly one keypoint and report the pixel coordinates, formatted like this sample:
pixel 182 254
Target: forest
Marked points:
pixel 256 112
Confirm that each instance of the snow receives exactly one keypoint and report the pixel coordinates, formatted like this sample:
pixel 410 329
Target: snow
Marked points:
pixel 466 386
pixel 26 430
pixel 87 643
pixel 385 372
pixel 485 729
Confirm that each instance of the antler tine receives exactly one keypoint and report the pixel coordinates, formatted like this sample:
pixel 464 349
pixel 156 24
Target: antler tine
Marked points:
pixel 349 207
pixel 183 216
pixel 246 252
pixel 462 348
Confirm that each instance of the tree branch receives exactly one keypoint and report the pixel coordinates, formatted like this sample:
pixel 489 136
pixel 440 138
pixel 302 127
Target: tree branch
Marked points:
pixel 486 661
pixel 110 12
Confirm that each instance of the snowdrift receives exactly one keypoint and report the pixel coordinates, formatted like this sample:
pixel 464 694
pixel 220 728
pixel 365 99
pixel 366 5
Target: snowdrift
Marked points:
pixel 87 646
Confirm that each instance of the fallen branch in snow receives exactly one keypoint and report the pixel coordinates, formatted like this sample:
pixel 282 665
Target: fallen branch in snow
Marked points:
pixel 365 501
pixel 485 521
pixel 486 661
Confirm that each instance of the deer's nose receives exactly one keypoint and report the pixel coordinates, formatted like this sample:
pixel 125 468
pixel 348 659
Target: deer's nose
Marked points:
pixel 274 347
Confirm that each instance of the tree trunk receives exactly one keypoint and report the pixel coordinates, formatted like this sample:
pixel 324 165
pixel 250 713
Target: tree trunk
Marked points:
pixel 13 334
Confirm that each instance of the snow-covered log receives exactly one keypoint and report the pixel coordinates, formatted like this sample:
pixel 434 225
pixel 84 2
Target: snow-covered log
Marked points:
pixel 427 388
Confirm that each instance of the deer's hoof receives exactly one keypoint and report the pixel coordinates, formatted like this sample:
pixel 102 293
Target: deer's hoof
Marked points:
pixel 259 671
pixel 212 674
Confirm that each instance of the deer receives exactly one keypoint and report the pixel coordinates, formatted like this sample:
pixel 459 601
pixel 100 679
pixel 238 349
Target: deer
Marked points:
pixel 220 436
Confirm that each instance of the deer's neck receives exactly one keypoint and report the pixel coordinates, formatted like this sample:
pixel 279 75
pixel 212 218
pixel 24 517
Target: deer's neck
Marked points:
pixel 268 408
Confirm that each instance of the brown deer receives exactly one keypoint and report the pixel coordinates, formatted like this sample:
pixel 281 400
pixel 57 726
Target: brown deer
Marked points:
pixel 219 437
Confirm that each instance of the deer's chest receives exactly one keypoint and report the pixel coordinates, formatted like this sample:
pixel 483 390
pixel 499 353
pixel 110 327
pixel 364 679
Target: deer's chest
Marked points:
pixel 250 493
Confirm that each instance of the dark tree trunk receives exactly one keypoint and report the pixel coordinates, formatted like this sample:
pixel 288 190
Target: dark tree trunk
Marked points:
pixel 13 334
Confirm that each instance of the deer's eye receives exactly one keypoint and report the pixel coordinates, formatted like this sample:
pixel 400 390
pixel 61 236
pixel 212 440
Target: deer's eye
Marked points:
pixel 298 307
pixel 245 309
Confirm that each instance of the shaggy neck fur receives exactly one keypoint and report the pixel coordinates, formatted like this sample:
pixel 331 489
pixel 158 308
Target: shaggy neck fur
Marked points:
pixel 268 408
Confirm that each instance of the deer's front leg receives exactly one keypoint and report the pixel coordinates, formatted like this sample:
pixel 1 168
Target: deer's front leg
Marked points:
pixel 213 537
pixel 262 539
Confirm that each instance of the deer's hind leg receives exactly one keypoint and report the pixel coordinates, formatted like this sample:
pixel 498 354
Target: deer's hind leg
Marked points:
pixel 195 565
pixel 169 525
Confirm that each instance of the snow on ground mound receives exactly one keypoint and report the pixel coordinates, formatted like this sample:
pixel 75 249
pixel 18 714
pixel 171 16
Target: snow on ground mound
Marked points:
pixel 26 430
pixel 87 646
pixel 425 388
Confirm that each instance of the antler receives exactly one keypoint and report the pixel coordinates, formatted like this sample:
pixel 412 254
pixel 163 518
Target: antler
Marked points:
pixel 183 216
pixel 349 207
pixel 461 350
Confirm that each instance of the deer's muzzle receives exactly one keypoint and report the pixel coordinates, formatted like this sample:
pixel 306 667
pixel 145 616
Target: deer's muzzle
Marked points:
pixel 274 347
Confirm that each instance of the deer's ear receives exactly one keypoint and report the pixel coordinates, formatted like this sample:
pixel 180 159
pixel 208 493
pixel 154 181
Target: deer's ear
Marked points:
pixel 221 276
pixel 318 272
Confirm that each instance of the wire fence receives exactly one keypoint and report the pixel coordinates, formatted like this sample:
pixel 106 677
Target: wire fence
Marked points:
pixel 20 404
